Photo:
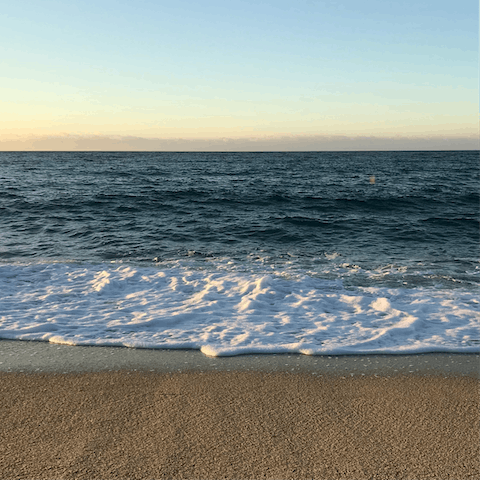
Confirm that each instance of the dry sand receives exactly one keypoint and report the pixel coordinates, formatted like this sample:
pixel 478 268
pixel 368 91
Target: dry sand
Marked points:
pixel 238 425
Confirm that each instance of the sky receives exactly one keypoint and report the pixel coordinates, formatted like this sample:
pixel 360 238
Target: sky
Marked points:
pixel 239 75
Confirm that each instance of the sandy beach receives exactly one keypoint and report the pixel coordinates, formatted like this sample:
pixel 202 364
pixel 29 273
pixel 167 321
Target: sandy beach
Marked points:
pixel 239 424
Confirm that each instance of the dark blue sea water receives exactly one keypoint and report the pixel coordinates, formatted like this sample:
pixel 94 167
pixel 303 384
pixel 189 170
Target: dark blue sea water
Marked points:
pixel 312 214
pixel 145 207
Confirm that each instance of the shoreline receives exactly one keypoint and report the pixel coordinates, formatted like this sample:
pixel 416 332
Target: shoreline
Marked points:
pixel 43 357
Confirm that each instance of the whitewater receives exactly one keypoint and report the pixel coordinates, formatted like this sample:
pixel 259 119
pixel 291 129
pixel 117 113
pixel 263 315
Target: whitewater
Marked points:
pixel 224 311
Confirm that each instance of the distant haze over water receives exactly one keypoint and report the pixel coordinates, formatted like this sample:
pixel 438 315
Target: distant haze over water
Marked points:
pixel 262 143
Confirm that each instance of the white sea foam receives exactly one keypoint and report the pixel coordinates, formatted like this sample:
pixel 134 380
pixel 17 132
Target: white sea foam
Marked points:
pixel 224 311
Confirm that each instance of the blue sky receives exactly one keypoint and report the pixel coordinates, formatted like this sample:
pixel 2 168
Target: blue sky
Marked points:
pixel 245 69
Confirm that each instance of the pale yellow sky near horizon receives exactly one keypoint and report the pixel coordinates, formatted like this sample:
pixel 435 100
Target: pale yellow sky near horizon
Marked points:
pixel 18 134
pixel 26 124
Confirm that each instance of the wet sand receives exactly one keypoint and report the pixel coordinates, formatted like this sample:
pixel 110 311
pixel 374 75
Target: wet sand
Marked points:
pixel 43 357
pixel 261 423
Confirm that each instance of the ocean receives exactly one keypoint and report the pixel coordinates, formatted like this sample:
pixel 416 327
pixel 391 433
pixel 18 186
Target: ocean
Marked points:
pixel 236 253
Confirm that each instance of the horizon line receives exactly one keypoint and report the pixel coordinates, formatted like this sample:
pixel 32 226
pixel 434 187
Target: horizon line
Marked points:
pixel 235 151
pixel 267 143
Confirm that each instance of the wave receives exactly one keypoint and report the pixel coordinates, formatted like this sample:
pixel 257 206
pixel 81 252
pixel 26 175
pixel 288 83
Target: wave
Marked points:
pixel 229 308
